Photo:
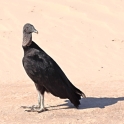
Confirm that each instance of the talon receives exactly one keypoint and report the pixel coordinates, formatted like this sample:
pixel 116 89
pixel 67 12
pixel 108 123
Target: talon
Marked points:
pixel 44 109
pixel 35 107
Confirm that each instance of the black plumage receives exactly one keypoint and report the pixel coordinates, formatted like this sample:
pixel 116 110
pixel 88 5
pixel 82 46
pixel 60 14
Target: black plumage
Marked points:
pixel 45 72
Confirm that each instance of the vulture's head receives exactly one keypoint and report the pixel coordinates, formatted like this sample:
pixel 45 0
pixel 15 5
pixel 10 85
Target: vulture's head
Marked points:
pixel 29 28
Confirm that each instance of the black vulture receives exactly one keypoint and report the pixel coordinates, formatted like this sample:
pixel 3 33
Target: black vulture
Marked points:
pixel 46 73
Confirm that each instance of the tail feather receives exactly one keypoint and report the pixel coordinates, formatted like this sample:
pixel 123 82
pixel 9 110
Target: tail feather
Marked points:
pixel 75 95
pixel 78 91
pixel 74 98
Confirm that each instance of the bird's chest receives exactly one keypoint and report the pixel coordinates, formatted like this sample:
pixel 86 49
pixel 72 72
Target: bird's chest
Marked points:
pixel 37 70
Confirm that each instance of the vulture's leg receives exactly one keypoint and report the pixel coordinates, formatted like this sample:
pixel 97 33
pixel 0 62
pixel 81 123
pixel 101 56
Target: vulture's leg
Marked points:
pixel 39 101
pixel 40 107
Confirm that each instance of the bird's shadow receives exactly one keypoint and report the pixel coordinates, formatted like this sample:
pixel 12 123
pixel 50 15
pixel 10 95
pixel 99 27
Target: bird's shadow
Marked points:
pixel 92 102
pixel 86 103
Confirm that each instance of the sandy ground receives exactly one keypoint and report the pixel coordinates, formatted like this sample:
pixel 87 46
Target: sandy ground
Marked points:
pixel 85 38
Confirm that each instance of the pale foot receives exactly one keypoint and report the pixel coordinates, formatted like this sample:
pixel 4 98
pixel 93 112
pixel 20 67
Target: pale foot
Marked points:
pixel 36 108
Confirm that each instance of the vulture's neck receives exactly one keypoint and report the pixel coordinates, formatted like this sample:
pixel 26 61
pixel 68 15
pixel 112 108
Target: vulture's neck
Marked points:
pixel 27 39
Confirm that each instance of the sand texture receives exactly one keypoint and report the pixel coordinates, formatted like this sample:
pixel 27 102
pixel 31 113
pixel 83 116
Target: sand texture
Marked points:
pixel 86 38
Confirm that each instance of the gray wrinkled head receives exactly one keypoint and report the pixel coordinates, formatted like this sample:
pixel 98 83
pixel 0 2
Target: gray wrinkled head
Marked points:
pixel 29 28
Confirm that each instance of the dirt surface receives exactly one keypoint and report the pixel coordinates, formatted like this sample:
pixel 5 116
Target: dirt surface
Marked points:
pixel 85 38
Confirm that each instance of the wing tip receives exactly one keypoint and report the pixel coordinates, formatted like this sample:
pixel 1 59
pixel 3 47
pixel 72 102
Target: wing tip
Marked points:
pixel 83 95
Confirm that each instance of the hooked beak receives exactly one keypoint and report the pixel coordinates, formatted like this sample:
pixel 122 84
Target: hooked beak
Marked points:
pixel 35 31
